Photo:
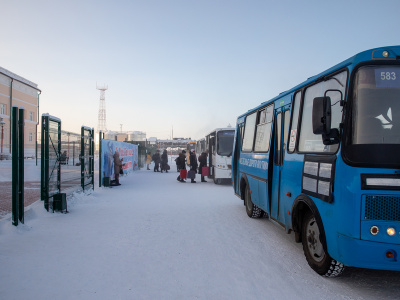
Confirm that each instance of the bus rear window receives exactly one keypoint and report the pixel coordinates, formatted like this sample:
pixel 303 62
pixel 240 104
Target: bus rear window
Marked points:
pixel 225 142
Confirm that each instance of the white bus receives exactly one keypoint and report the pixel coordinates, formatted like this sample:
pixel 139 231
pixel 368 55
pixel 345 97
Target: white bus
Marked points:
pixel 219 143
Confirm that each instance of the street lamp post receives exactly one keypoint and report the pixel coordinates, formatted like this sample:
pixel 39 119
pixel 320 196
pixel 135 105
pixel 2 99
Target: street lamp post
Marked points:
pixel 2 136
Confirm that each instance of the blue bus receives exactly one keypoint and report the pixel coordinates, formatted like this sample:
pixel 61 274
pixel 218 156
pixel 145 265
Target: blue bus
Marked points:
pixel 323 160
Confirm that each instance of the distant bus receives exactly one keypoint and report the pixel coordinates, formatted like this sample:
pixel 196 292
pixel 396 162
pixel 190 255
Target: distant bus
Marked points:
pixel 189 147
pixel 323 160
pixel 219 143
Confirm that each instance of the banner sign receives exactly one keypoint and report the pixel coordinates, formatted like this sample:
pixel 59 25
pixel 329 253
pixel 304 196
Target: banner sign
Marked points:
pixel 127 152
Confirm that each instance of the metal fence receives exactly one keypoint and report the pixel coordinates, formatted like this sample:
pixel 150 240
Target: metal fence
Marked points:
pixel 28 180
pixel 87 157
pixel 64 164
pixel 70 163
pixel 67 160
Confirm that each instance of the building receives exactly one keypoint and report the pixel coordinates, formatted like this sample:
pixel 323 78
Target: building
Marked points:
pixel 18 91
pixel 130 136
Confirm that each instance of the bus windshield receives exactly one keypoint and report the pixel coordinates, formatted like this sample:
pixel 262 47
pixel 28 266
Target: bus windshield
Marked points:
pixel 225 142
pixel 376 106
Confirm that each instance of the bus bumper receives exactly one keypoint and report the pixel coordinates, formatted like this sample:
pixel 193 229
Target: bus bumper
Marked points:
pixel 222 173
pixel 365 254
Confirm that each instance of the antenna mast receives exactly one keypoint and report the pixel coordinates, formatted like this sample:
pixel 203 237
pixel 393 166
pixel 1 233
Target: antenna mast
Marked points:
pixel 101 126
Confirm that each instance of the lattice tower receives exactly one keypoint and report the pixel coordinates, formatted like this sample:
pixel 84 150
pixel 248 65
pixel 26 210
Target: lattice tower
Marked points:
pixel 101 126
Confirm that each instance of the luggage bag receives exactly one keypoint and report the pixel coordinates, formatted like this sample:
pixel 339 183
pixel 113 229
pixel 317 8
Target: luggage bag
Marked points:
pixel 191 174
pixel 183 173
pixel 204 171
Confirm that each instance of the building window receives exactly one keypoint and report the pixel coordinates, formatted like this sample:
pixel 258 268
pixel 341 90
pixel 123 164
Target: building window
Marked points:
pixel 2 109
pixel 30 136
pixel 30 116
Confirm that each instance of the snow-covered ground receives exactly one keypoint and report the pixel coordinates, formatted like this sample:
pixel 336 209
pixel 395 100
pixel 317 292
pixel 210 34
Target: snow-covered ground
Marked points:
pixel 155 238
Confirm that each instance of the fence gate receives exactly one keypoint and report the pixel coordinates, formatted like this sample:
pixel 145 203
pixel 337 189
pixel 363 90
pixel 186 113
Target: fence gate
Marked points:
pixel 87 157
pixel 50 158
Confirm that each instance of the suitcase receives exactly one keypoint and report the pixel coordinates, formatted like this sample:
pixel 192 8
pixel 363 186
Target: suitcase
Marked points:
pixel 183 173
pixel 191 174
pixel 204 171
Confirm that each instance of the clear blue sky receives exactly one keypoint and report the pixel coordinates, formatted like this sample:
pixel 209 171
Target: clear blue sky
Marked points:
pixel 191 64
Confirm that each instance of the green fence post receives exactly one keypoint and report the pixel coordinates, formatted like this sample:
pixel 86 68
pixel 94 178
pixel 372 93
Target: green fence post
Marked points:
pixel 21 154
pixel 42 158
pixel 92 155
pixel 73 153
pixel 100 158
pixel 82 158
pixel 58 157
pixel 46 163
pixel 14 170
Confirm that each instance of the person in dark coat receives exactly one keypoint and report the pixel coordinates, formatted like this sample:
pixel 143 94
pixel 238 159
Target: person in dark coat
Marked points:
pixel 157 159
pixel 164 161
pixel 203 163
pixel 181 161
pixel 178 166
pixel 117 167
pixel 193 163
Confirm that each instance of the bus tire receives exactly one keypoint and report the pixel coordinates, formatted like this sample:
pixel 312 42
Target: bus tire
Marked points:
pixel 253 211
pixel 317 258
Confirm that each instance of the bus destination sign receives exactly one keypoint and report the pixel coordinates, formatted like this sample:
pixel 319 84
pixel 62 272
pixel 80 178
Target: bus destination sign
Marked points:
pixel 387 77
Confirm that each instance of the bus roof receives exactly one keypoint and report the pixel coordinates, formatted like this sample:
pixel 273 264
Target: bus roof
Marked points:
pixel 368 55
pixel 221 129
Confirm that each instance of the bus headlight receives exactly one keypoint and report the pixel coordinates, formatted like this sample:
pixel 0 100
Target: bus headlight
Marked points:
pixel 385 53
pixel 391 231
pixel 374 230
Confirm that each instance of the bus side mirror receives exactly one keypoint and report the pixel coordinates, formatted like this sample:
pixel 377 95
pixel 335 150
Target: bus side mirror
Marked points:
pixel 321 115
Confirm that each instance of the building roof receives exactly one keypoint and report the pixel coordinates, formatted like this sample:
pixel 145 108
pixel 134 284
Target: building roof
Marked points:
pixel 17 77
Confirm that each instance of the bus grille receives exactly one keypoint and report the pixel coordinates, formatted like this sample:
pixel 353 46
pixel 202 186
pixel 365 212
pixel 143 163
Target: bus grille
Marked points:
pixel 385 208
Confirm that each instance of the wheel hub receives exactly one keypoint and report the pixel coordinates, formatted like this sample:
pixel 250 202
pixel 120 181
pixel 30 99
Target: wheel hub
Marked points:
pixel 313 241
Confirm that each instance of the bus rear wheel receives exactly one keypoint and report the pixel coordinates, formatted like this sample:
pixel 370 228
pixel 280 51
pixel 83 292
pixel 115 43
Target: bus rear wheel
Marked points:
pixel 317 258
pixel 253 211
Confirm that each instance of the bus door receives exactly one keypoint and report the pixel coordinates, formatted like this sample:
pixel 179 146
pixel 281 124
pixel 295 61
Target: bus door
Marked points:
pixel 211 154
pixel 282 117
pixel 236 157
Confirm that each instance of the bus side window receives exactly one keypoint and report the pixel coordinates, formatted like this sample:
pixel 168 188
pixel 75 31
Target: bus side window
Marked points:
pixel 263 133
pixel 285 132
pixel 295 118
pixel 248 138
pixel 308 141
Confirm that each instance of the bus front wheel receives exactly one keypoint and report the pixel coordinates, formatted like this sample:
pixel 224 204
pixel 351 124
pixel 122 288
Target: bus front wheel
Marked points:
pixel 253 211
pixel 317 258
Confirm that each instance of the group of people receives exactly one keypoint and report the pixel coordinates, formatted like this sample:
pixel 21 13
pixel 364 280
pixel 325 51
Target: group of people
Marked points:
pixel 159 161
pixel 181 164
